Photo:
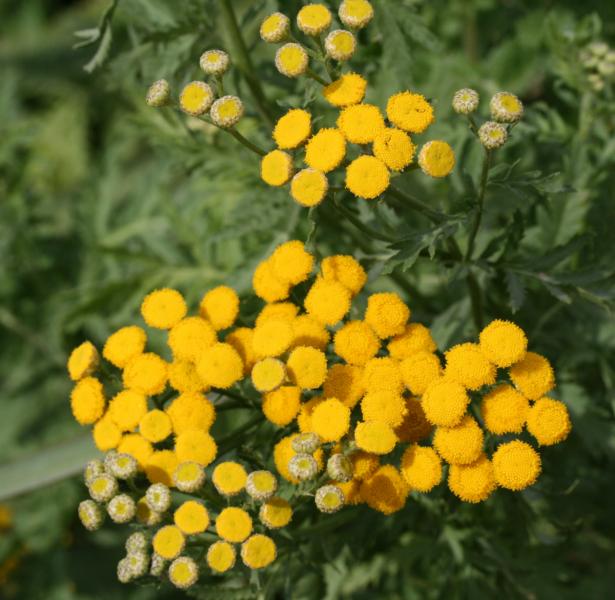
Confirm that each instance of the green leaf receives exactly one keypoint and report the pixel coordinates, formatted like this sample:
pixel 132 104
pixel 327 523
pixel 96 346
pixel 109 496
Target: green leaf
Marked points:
pixel 516 291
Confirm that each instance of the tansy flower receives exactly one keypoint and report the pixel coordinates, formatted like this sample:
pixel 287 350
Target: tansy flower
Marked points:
pixel 421 468
pixel 309 187
pixel 158 94
pixel 309 332
pixel 360 123
pixel 282 454
pixel 220 307
pixel 385 490
pixel 382 373
pixel 93 468
pixel 367 177
pixel 344 382
pixel 345 269
pixel 415 338
pixel 516 465
pixel 82 361
pixel 267 286
pixel 137 446
pixel 160 466
pixel 282 405
pixel 183 572
pixel 233 524
pixel 351 490
pixel 307 367
pixel 387 314
pixel 291 262
pixel 340 44
pixel 124 572
pixel 384 405
pixel 548 421
pixel 533 376
pixel 191 411
pixel 339 468
pixel 103 487
pixel 168 542
pixel 121 508
pixel 329 498
pixel 106 433
pixel 394 148
pixel 229 478
pixel 276 168
pixel 313 19
pixel 492 135
pixel 347 90
pixel 307 442
pixel 275 513
pixel 155 426
pixel 283 311
pixel 214 62
pixel 459 445
pixel 261 485
pixel 356 342
pixel 304 418
pixel 163 308
pixel 504 410
pixel 221 557
pixel 124 344
pixel 146 516
pixel 188 477
pixel 436 158
pixel 226 111
pixel 258 551
pixel 122 466
pixel 303 467
pixel 196 98
pixel 272 337
pixel 465 101
pixel 376 437
pixel 325 150
pixel 87 401
pixel 331 420
pixel 291 60
pixel 419 370
pixel 191 517
pixel 157 565
pixel 503 343
pixel 292 129
pixel 506 107
pixel 220 366
pixel 241 339
pixel 355 13
pixel 90 515
pixel 184 378
pixel 410 112
pixel 474 482
pixel 466 364
pixel 363 464
pixel 268 374
pixel 196 446
pixel 327 301
pixel 275 28
pixel 146 373
pixel 445 402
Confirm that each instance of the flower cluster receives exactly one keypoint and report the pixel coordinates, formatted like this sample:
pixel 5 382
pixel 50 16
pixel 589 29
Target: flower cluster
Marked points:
pixel 598 61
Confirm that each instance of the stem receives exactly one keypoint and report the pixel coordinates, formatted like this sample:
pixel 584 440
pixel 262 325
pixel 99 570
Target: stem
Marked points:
pixel 433 215
pixel 247 143
pixel 315 76
pixel 480 203
pixel 476 300
pixel 233 395
pixel 473 125
pixel 372 233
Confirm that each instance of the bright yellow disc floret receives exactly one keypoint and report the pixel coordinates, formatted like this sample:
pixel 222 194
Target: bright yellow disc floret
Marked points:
pixel 415 338
pixel 307 367
pixel 384 405
pixel 327 301
pixel 344 382
pixel 163 308
pixel 234 524
pixel 459 445
pixel 184 378
pixel 325 150
pixel 533 376
pixel 241 339
pixel 283 311
pixel 268 374
pixel 387 314
pixel 196 98
pixel 504 410
pixel 138 447
pixel 160 467
pixel 191 411
pixel 309 332
pixel 421 468
pixel 291 262
pixel 331 420
pixel 360 123
pixel 220 307
pixel 146 373
pixel 191 517
pixel 394 148
pixel 221 556
pixel 376 437
pixel 356 342
pixel 276 168
pixel 340 45
pixel 107 435
pixel 275 28
pixel 445 402
pixel 87 401
pixel 291 59
pixel 347 90
pixel 503 343
pixel 275 513
pixel 363 464
pixel 548 421
pixel 272 337
pixel 258 551
pixel 155 426
pixel 195 446
pixel 168 542
pixel 415 426
pixel 474 482
pixel 345 269
pixel 385 490
pixel 313 19
pixel 82 361
pixel 436 159
pixel 356 13
pixel 229 478
pixel 410 112
pixel 220 366
pixel 292 129
pixel 466 364
pixel 516 465
pixel 382 374
pixel 267 286
pixel 124 344
pixel 282 405
pixel 309 187
pixel 367 177
pixel 188 338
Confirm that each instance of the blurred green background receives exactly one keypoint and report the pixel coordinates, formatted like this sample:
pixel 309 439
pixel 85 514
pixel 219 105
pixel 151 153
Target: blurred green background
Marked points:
pixel 103 199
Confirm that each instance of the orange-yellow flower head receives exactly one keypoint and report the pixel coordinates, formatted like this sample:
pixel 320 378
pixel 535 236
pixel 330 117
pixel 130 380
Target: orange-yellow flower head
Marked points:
pixel 345 269
pixel 385 490
pixel 356 342
pixel 82 361
pixel 533 376
pixel 421 468
pixel 291 59
pixel 309 187
pixel 437 159
pixel 355 14
pixel 384 405
pixel 282 405
pixel 344 382
pixel 313 19
pixel 188 338
pixel 474 482
pixel 375 437
pixel 506 107
pixel 124 344
pixel 276 168
pixel 360 123
pixel 272 338
pixel 548 421
pixel 504 410
pixel 410 112
pixel 325 150
pixel 292 129
pixel 382 373
pixel 516 465
pixel 196 98
pixel 394 148
pixel 340 45
pixel 327 301
pixel 220 307
pixel 415 338
pixel 445 402
pixel 466 364
pixel 459 445
pixel 87 400
pixel 367 177
pixel 146 373
pixel 195 446
pixel 331 420
pixel 291 262
pixel 387 314
pixel 220 366
pixel 226 111
pixel 191 411
pixel 503 343
pixel 307 367
pixel 267 286
pixel 163 308
pixel 347 90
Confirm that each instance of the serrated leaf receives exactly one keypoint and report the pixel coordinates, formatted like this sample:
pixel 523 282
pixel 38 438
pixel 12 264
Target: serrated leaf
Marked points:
pixel 516 291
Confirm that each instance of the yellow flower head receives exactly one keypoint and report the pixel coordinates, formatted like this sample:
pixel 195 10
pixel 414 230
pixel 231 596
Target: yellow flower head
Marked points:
pixel 190 336
pixel 459 445
pixel 410 112
pixel 516 465
pixel 329 498
pixel 183 572
pixel 138 447
pixel 382 373
pixel 356 13
pixel 345 269
pixel 283 452
pixel 191 410
pixel 258 551
pixel 168 542
pixel 268 374
pixel 415 426
pixel 188 477
pixel 492 135
pixel 291 262
pixel 196 446
pixel 436 159
pixel 415 338
pixel 363 464
pixel 261 485
pixel 124 344
pixel 155 426
pixel 309 332
pixel 304 418
pixel 282 405
pixel 367 177
pixel 394 148
pixel 351 491
pixel 309 187
pixel 384 405
pixel 331 420
pixel 275 28
pixel 503 343
pixel 229 478
pixel 191 517
pixel 347 90
pixel 445 402
pixel 272 338
pixel 356 342
pixel 121 508
pixel 385 490
pixel 340 45
pixel 466 364
pixel 220 366
pixel 276 168
pixel 465 101
pixel 184 378
pixel 160 467
pixel 344 382
pixel 360 123
pixel 234 524
pixel 221 556
pixel 196 98
pixel 226 111
pixel 102 487
pixel 387 314
pixel 283 311
pixel 267 286
pixel 275 513
pixel 241 339
pixel 82 361
pixel 375 437
pixel 313 19
pixel 325 150
pixel 220 307
pixel 292 129
pixel 548 421
pixel 474 482
pixel 291 59
pixel 158 94
pixel 327 301
pixel 164 308
pixel 214 62
pixel 504 410
pixel 107 435
pixel 87 401
pixel 506 107
pixel 533 376
pixel 421 468
pixel 146 373
pixel 307 367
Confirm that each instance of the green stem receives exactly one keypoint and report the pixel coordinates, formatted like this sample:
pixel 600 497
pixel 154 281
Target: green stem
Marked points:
pixel 473 125
pixel 368 231
pixel 315 76
pixel 407 200
pixel 476 300
pixel 233 395
pixel 247 143
pixel 480 203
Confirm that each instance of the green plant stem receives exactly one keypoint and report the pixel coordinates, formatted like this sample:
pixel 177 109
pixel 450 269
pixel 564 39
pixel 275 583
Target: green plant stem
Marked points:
pixel 368 231
pixel 315 76
pixel 476 299
pixel 479 205
pixel 473 125
pixel 407 200
pixel 247 143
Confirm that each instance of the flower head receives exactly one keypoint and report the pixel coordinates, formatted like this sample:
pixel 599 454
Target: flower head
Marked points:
pixel 394 148
pixel 345 269
pixel 234 524
pixel 220 366
pixel 474 482
pixel 415 338
pixel 465 101
pixel 516 465
pixel 229 478
pixel 533 376
pixel 466 364
pixel 292 129
pixel 195 446
pixel 281 406
pixel 183 572
pixel 421 468
pixel 155 426
pixel 291 59
pixel 347 90
pixel 325 150
pixel 548 421
pixel 375 437
pixel 261 485
pixel 307 442
pixel 107 435
pixel 196 98
pixel 87 400
pixel 504 410
pixel 331 420
pixel 506 107
pixel 492 135
pixel 124 344
pixel 437 159
pixel 103 487
pixel 268 374
pixel 258 551
pixel 356 13
pixel 191 517
pixel 340 45
pixel 339 468
pixel 309 187
pixel 327 301
pixel 83 361
pixel 122 466
pixel 226 111
pixel 356 342
pixel 90 515
pixel 387 314
pixel 367 177
pixel 221 556
pixel 275 513
pixel 220 307
pixel 121 508
pixel 146 374
pixel 188 477
pixel 276 168
pixel 503 343
pixel 344 382
pixel 445 402
pixel 214 62
pixel 410 112
pixel 291 262
pixel 158 497
pixel 191 411
pixel 384 405
pixel 461 444
pixel 158 94
pixel 329 498
pixel 275 28
pixel 168 542
pixel 360 123
pixel 313 19
pixel 303 467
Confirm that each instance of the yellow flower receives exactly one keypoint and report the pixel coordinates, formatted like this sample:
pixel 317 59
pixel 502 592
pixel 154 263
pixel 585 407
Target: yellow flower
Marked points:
pixel 147 516
pixel 387 314
pixel 309 187
pixel 229 478
pixel 465 101
pixel 121 508
pixel 445 402
pixel 356 13
pixel 344 382
pixel 226 111
pixel 220 307
pixel 87 401
pixel 363 464
pixel 106 433
pixel 221 557
pixel 282 405
pixel 268 374
pixel 410 112
pixel 351 491
pixel 275 513
pixel 196 98
pixel 327 301
pixel 124 344
pixel 548 421
pixel 331 420
pixel 421 467
pixel 506 107
pixel 146 373
pixel 272 337
pixel 267 286
pixel 291 60
pixel 415 338
pixel 276 168
pixel 261 485
pixel 309 332
pixel 356 342
pixel 436 158
pixel 340 45
pixel 292 129
pixel 474 482
pixel 103 487
pixel 191 517
pixel 384 405
pixel 385 490
pixel 220 366
pixel 504 410
pixel 168 542
pixel 347 90
pixel 394 148
pixel 375 437
pixel 258 551
pixel 188 477
pixel 191 410
pixel 155 426
pixel 283 452
pixel 196 446
pixel 233 524
pixel 516 465
pixel 160 467
pixel 313 19
pixel 83 361
pixel 503 343
pixel 382 373
pixel 137 446
pixel 214 62
pixel 367 177
pixel 492 135
pixel 184 378
pixel 466 364
pixel 241 339
pixel 345 269
pixel 291 262
pixel 325 150
pixel 329 499
pixel 158 94
pixel 163 308
pixel 183 572
pixel 282 311
pixel 533 376
pixel 459 445
pixel 307 367
pixel 360 123
pixel 275 28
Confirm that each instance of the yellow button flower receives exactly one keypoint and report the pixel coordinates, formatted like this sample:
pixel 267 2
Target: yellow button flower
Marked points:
pixel 283 311
pixel 196 446
pixel 445 402
pixel 376 437
pixel 466 364
pixel 196 98
pixel 384 405
pixel 331 420
pixel 533 376
pixel 268 374
pixel 234 524
pixel 415 338
pixel 347 90
pixel 184 378
pixel 292 129
pixel 83 361
pixel 325 150
pixel 345 269
pixel 504 410
pixel 107 435
pixel 220 307
pixel 363 464
pixel 124 344
pixel 387 314
pixel 516 465
pixel 459 445
pixel 229 478
pixel 291 262
pixel 410 112
pixel 307 367
pixel 137 446
pixel 276 168
pixel 155 426
pixel 356 13
pixel 309 332
pixel 221 557
pixel 548 421
pixel 503 343
pixel 191 517
pixel 309 187
pixel 367 177
pixel 436 159
pixel 226 111
pixel 474 482
pixel 163 308
pixel 340 45
pixel 183 572
pixel 327 301
pixel 168 542
pixel 272 337
pixel 87 401
pixel 421 468
pixel 258 551
pixel 291 60
pixel 394 148
pixel 275 513
pixel 191 411
pixel 275 28
pixel 282 405
pixel 146 373
pixel 356 342
pixel 241 339
pixel 360 123
pixel 267 286
pixel 313 19
pixel 382 373
pixel 220 366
